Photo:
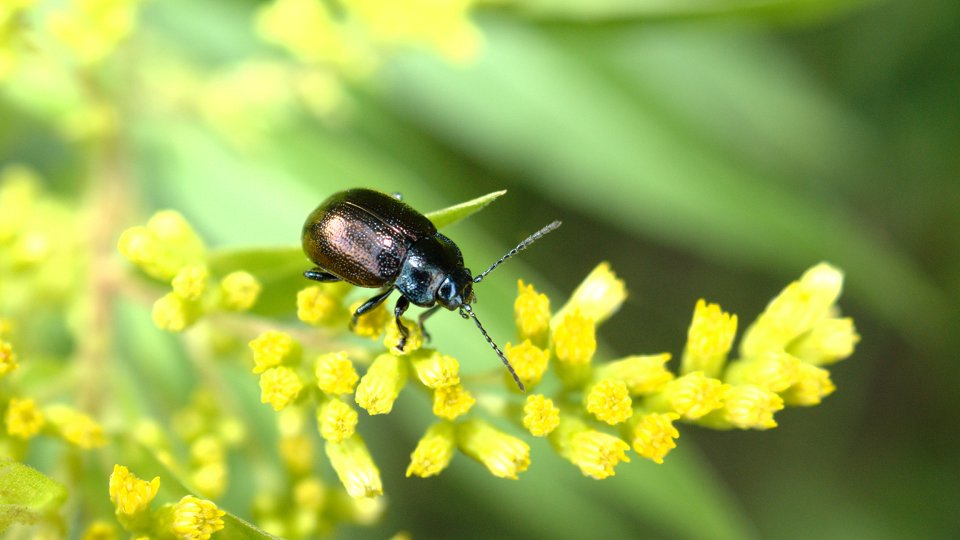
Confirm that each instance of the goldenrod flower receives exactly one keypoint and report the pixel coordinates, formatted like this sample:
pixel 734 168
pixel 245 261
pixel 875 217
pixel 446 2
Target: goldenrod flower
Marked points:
pixel 436 370
pixel 434 451
pixel 296 451
pixel 163 247
pixel 773 370
pixel 372 323
pixel 316 305
pixel 272 348
pixel 529 361
pixel 540 415
pixel 747 406
pixel 829 341
pixel 812 385
pixel 210 479
pixel 335 373
pixel 309 493
pixel 609 401
pixel 207 449
pixel 129 494
pixel 381 384
pixel 196 519
pixel 503 455
pixel 654 435
pixel 414 340
pixel 191 282
pixel 451 402
pixel 100 530
pixel 174 314
pixel 532 313
pixel 239 290
pixel 598 297
pixel 279 386
pixel 76 427
pixel 8 358
pixel 354 467
pixel 794 311
pixel 23 418
pixel 574 339
pixel 691 396
pixel 336 420
pixel 709 339
pixel 595 453
pixel 643 374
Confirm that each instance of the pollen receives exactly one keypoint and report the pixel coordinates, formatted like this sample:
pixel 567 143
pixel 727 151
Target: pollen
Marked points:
pixel 173 314
pixel 540 415
pixel 691 396
pixel 598 297
pixel 503 455
pixel 529 361
pixel 76 427
pixel 575 340
pixel 532 313
pixel 828 342
pixel 709 339
pixel 355 467
pixel 372 323
pixel 595 453
pixel 747 406
pixel 451 402
pixel 609 401
pixel 436 370
pixel 196 519
pixel 279 386
pixel 129 494
pixel 8 358
pixel 191 282
pixel 643 374
pixel 23 418
pixel 773 370
pixel 239 290
pixel 335 373
pixel 813 384
pixel 434 451
pixel 381 384
pixel 654 435
pixel 336 420
pixel 315 305
pixel 413 342
pixel 272 348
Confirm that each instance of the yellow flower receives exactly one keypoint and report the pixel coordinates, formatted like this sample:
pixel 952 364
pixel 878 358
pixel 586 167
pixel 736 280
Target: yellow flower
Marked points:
pixel 372 323
pixel 272 348
pixel 598 297
pixel 296 451
pixel 336 420
pixel 609 401
pixel 829 341
pixel 239 290
pixel 643 374
pixel 503 455
pixel 773 370
pixel 540 415
pixel 355 467
pixel 279 386
pixel 434 451
pixel 691 396
pixel 316 305
pixel 8 358
pixel 23 418
pixel 574 339
pixel 76 427
pixel 100 530
pixel 436 370
pixel 191 282
pixel 813 384
pixel 174 314
pixel 654 435
pixel 529 361
pixel 414 341
pixel 451 402
pixel 594 452
pixel 746 406
pixel 129 494
pixel 532 313
pixel 210 479
pixel 335 373
pixel 164 246
pixel 709 339
pixel 794 311
pixel 196 519
pixel 381 384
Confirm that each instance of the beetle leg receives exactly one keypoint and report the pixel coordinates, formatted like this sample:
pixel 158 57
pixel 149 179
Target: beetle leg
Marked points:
pixel 423 318
pixel 402 305
pixel 370 304
pixel 319 274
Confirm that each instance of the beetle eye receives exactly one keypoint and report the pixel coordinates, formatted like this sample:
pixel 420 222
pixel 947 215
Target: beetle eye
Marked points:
pixel 446 291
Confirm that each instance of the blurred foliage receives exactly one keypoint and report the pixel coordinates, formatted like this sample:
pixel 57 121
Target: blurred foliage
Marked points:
pixel 704 148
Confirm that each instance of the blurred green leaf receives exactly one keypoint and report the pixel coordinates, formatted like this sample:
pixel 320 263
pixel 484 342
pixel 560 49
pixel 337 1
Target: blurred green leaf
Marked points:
pixel 781 10
pixel 453 214
pixel 27 496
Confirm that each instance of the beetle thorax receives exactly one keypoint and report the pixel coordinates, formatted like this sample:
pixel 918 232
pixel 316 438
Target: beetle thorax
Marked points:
pixel 431 265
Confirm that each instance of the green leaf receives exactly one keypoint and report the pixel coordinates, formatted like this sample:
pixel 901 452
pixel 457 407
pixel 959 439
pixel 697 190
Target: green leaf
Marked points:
pixel 27 496
pixel 453 214
pixel 781 10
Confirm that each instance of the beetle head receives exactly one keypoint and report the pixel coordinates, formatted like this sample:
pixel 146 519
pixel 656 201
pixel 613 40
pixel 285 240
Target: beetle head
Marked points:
pixel 456 290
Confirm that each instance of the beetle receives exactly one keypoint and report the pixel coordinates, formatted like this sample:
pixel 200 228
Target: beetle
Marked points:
pixel 371 239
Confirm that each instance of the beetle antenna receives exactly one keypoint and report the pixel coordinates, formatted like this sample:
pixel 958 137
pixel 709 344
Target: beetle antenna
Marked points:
pixel 520 247
pixel 464 311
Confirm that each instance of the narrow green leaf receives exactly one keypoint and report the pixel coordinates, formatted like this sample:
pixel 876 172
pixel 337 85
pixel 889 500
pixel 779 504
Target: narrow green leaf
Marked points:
pixel 453 214
pixel 26 495
pixel 781 10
